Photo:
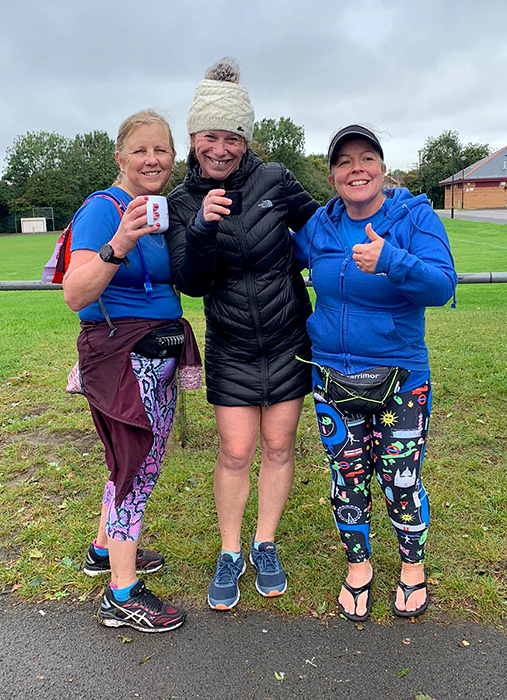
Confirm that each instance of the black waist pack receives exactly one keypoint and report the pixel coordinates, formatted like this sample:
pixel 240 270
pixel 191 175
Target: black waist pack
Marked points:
pixel 363 392
pixel 162 342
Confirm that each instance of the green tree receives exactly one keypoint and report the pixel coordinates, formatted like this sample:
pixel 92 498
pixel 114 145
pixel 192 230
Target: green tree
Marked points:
pixel 441 157
pixel 47 169
pixel 281 141
pixel 90 164
pixel 315 178
pixel 33 153
pixel 412 180
pixel 5 200
pixel 178 175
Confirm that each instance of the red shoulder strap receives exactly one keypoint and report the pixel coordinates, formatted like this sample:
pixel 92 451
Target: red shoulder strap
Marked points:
pixel 63 259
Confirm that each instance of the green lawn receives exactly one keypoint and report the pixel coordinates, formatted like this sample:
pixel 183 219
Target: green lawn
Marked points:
pixel 52 470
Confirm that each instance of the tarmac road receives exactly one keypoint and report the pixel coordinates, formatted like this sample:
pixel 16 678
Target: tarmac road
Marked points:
pixel 225 656
pixel 490 216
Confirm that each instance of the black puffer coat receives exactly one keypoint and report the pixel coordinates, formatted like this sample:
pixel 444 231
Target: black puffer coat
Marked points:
pixel 255 301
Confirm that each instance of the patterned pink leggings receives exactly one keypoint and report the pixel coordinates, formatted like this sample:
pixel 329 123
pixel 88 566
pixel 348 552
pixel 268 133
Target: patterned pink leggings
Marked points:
pixel 157 384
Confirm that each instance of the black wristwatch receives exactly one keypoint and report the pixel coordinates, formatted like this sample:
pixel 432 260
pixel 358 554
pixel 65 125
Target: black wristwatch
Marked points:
pixel 107 255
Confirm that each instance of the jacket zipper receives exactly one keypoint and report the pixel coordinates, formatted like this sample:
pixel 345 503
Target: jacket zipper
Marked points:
pixel 252 300
pixel 342 324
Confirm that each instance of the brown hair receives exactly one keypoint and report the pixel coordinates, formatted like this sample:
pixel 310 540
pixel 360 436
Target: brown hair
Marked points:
pixel 141 118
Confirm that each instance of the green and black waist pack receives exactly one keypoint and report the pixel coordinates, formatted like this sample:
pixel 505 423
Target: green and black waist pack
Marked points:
pixel 363 392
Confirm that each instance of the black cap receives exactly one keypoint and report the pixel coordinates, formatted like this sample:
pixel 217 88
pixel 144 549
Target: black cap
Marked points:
pixel 347 134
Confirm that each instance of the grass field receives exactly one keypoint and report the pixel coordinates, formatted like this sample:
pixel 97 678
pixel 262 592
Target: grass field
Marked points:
pixel 52 470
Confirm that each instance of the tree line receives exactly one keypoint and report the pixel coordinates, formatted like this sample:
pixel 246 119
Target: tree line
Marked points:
pixel 45 169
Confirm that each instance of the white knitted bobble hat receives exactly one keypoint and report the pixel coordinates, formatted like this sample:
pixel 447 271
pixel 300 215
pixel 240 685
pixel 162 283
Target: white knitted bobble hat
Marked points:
pixel 221 103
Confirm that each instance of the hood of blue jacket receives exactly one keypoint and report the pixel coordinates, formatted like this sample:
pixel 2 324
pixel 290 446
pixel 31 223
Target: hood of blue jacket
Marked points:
pixel 402 202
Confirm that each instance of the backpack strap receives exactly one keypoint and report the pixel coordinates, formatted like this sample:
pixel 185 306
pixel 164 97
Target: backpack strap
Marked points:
pixel 65 240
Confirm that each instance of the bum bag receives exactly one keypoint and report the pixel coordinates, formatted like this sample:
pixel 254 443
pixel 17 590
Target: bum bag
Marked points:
pixel 162 342
pixel 363 392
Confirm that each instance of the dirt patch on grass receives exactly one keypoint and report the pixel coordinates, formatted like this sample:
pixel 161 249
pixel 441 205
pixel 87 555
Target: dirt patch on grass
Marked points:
pixel 81 441
pixel 23 477
pixel 9 555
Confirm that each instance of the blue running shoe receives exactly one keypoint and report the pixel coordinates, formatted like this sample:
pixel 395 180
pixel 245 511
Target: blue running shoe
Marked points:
pixel 223 593
pixel 271 579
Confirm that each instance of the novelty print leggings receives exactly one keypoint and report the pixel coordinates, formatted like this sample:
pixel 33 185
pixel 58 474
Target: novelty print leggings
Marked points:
pixel 157 385
pixel 391 444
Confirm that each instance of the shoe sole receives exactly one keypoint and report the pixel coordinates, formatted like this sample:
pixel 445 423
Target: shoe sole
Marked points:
pixel 111 622
pixel 418 611
pixel 412 613
pixel 222 606
pixel 267 594
pixel 352 616
pixel 96 572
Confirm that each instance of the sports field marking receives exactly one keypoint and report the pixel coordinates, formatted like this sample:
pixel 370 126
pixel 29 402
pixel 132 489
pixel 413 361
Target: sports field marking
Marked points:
pixel 476 242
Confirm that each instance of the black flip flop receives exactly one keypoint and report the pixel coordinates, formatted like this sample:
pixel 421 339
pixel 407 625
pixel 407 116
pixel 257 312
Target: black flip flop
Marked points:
pixel 355 593
pixel 407 592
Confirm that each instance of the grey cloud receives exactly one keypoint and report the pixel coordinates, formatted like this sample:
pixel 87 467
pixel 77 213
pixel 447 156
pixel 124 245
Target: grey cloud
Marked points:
pixel 413 69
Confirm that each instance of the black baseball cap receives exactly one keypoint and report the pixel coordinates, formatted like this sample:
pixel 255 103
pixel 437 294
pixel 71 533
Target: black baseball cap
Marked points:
pixel 353 131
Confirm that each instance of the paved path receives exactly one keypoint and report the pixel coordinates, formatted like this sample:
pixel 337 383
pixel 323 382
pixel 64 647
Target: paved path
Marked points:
pixel 490 216
pixel 66 654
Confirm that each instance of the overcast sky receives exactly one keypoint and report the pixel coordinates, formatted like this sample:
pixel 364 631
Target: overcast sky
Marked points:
pixel 411 68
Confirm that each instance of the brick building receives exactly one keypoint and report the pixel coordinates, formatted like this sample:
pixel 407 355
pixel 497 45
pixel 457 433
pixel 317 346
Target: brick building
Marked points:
pixel 391 181
pixel 482 185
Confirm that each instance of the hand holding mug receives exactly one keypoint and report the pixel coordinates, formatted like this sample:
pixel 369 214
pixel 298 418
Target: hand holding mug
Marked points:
pixel 134 225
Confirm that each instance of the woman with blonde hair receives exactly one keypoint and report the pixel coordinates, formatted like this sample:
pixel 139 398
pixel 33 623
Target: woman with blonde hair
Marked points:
pixel 119 281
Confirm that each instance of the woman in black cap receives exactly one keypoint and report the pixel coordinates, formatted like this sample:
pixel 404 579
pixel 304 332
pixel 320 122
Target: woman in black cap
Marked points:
pixel 377 258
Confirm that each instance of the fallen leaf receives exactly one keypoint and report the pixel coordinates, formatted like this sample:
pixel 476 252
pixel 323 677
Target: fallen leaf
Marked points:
pixel 433 581
pixel 360 626
pixel 16 587
pixel 127 640
pixel 402 672
pixel 464 644
pixel 143 661
pixel 185 568
pixel 35 554
pixel 321 609
pixel 322 501
pixel 279 676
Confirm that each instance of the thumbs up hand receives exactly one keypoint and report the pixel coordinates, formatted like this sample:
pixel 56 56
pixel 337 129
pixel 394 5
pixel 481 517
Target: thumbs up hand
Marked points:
pixel 366 255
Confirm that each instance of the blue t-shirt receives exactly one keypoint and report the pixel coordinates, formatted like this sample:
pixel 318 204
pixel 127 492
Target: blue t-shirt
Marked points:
pixel 125 296
pixel 352 231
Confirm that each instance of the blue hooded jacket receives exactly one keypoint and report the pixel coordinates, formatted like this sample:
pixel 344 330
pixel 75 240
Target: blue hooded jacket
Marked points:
pixel 366 320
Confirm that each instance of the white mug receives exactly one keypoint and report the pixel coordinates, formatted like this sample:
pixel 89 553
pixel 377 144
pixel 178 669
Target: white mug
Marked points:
pixel 163 214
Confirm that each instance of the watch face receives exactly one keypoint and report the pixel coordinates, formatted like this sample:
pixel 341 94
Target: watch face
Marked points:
pixel 106 254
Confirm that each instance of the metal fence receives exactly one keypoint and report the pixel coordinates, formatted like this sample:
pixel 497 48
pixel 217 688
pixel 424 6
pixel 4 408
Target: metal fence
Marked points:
pixel 463 278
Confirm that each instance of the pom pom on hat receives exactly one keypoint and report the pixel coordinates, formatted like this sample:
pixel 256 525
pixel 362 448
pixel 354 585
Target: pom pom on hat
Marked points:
pixel 221 103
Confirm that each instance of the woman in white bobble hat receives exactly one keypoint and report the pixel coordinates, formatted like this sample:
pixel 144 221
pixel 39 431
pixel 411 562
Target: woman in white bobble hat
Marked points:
pixel 229 241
